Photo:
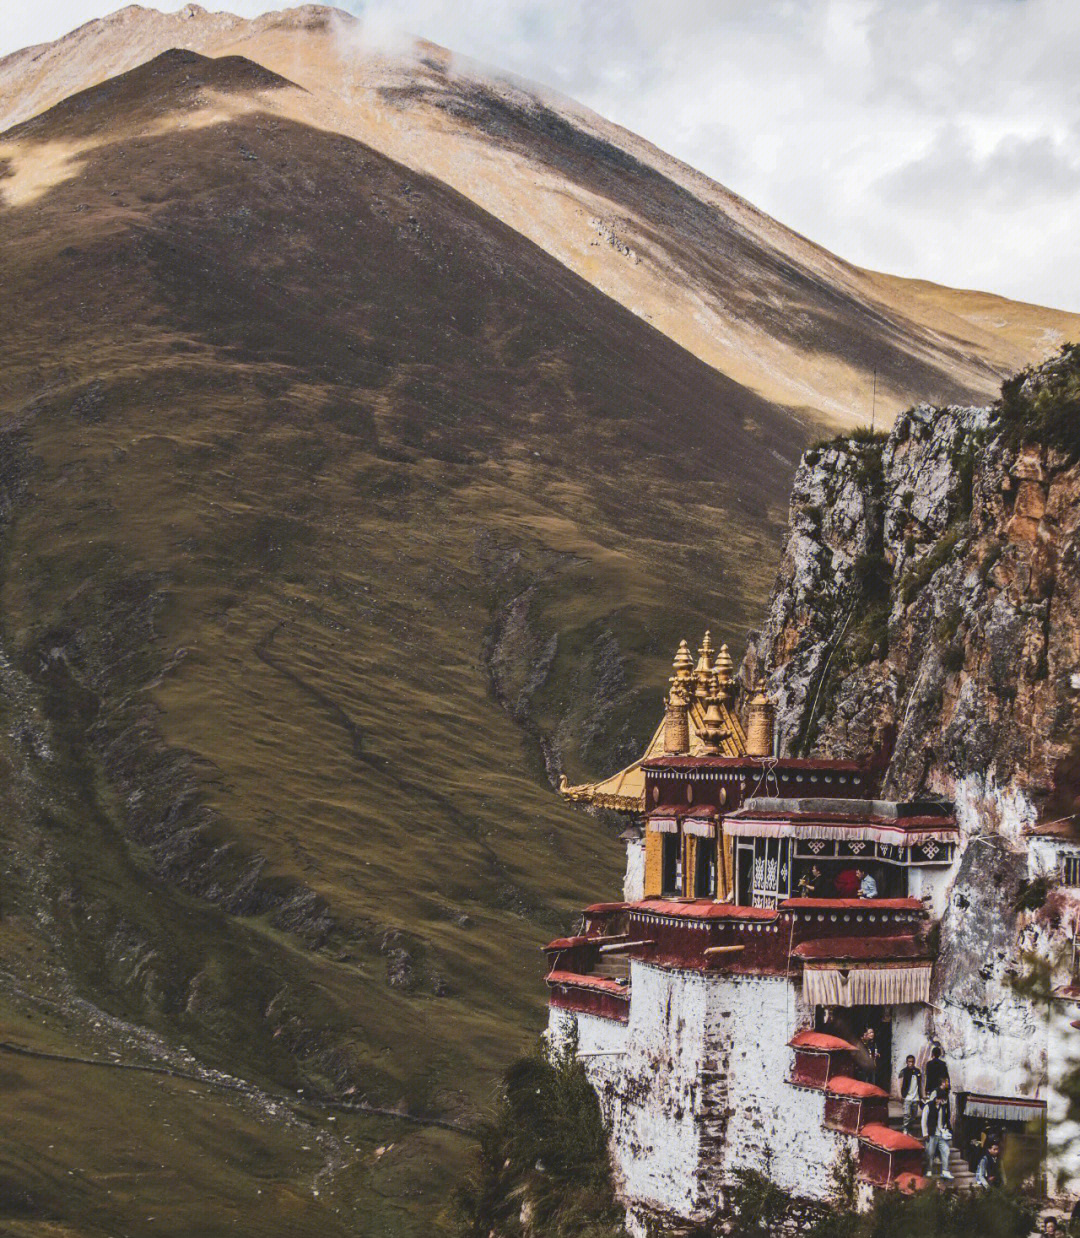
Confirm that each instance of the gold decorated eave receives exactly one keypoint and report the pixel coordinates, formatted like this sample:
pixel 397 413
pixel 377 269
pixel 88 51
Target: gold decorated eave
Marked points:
pixel 713 730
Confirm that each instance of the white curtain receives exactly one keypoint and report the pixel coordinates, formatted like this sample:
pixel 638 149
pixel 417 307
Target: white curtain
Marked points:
pixel 832 985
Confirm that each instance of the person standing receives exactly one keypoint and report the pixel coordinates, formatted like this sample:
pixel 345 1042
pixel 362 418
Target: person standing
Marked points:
pixel 810 883
pixel 911 1093
pixel 847 883
pixel 937 1129
pixel 937 1071
pixel 988 1174
pixel 868 1056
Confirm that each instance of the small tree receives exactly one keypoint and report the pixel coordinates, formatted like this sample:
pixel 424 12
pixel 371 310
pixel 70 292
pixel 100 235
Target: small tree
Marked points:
pixel 542 1168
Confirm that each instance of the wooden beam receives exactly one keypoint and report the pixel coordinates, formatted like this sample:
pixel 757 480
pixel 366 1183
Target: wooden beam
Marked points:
pixel 712 951
pixel 625 945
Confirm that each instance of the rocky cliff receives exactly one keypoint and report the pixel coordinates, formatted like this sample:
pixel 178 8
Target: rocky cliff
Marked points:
pixel 928 607
pixel 928 600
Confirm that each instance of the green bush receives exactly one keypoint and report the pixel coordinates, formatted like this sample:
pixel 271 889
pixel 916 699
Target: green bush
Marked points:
pixel 1046 410
pixel 947 1214
pixel 920 575
pixel 542 1168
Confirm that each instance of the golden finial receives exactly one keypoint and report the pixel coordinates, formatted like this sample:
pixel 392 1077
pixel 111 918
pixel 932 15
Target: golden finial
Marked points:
pixel 713 732
pixel 724 668
pixel 683 666
pixel 703 668
pixel 760 717
pixel 677 718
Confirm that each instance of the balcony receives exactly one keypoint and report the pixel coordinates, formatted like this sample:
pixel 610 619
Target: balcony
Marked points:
pixel 846 951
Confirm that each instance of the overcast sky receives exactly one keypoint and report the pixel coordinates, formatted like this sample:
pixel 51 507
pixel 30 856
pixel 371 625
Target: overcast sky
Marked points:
pixel 934 139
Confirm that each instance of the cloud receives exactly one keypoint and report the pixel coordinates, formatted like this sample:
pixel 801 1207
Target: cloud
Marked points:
pixel 933 138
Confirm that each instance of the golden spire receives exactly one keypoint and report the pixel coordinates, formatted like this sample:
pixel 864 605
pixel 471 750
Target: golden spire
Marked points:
pixel 760 716
pixel 704 668
pixel 683 666
pixel 677 714
pixel 713 732
pixel 724 668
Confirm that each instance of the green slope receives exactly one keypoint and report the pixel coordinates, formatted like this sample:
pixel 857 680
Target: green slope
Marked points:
pixel 337 518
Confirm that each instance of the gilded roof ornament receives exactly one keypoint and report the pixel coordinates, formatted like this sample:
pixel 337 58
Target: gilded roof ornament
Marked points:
pixel 683 665
pixel 724 668
pixel 760 718
pixel 682 729
pixel 713 730
pixel 704 668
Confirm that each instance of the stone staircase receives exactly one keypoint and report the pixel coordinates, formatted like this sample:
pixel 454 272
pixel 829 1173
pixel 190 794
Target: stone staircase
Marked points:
pixel 963 1178
pixel 612 967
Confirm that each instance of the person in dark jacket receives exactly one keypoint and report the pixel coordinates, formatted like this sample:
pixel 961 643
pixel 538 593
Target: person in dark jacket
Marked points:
pixel 867 1057
pixel 937 1071
pixel 988 1174
pixel 911 1094
pixel 937 1129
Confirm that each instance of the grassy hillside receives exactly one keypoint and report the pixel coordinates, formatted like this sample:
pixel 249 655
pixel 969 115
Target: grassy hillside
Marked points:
pixel 336 519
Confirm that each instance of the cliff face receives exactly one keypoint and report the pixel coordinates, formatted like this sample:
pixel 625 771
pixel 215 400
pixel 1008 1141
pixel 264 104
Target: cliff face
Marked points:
pixel 928 600
pixel 928 606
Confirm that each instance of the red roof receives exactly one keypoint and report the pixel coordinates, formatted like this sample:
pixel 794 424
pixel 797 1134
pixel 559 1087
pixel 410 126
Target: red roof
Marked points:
pixel 595 909
pixel 820 1042
pixel 908 1184
pixel 784 763
pixel 856 1088
pixel 1065 830
pixel 600 983
pixel 888 1140
pixel 860 904
pixel 808 820
pixel 565 943
pixel 683 810
pixel 703 909
pixel 887 949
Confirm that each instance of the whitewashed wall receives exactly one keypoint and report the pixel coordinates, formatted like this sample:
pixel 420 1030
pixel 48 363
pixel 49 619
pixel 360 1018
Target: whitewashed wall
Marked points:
pixel 701 1091
pixel 634 880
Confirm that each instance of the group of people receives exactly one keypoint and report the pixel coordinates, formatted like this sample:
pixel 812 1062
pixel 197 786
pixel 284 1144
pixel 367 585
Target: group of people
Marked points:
pixel 927 1107
pixel 849 883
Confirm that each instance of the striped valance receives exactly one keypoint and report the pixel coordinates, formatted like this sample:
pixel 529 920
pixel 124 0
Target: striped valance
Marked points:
pixel 699 828
pixel 832 984
pixel 1003 1109
pixel 690 825
pixel 865 832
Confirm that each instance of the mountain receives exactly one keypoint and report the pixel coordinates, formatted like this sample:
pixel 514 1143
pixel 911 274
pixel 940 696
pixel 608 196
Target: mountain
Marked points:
pixel 370 432
pixel 776 313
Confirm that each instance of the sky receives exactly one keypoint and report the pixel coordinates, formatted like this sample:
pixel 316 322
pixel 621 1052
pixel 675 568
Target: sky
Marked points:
pixel 930 138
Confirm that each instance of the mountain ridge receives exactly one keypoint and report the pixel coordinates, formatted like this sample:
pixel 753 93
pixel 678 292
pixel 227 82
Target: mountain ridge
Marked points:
pixel 339 515
pixel 935 344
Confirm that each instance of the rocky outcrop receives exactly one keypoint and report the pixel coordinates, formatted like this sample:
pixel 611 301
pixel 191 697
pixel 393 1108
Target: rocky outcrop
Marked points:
pixel 928 600
pixel 928 608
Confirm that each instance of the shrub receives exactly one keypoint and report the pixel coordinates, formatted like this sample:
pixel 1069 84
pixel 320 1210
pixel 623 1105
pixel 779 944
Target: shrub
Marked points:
pixel 542 1166
pixel 921 574
pixel 945 1214
pixel 1043 406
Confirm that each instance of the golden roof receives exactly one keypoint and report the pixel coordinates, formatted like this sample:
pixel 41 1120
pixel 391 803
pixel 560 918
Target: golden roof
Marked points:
pixel 625 791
